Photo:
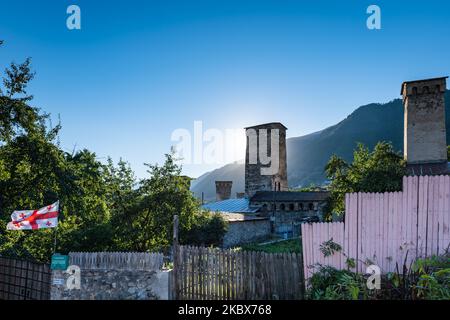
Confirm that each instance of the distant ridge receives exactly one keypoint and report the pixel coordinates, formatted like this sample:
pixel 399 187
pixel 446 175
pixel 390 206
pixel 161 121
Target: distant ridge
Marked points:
pixel 307 155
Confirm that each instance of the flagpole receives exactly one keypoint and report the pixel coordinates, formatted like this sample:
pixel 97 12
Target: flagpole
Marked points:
pixel 55 232
pixel 54 245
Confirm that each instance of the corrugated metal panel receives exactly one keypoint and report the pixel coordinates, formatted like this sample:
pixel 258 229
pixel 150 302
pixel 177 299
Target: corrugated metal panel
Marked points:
pixel 290 196
pixel 231 205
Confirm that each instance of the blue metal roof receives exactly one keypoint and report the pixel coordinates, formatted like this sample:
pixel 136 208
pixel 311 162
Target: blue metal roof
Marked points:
pixel 241 205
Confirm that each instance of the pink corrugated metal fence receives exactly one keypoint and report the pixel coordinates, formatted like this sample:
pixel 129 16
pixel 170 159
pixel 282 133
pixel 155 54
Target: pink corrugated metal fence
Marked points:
pixel 385 228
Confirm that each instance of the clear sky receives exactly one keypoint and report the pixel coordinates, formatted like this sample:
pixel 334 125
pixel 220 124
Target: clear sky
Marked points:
pixel 138 70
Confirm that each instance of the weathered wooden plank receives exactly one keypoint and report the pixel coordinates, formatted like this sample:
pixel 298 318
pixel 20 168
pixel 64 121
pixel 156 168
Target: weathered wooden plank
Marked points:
pixel 348 223
pixel 446 217
pixel 440 217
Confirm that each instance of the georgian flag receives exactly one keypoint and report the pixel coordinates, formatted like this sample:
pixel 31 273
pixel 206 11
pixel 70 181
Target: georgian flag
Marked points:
pixel 43 218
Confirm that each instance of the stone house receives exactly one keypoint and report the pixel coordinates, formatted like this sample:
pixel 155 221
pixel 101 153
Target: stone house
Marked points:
pixel 266 197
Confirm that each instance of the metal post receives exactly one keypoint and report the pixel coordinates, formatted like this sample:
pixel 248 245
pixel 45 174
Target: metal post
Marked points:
pixel 56 228
pixel 54 244
pixel 175 254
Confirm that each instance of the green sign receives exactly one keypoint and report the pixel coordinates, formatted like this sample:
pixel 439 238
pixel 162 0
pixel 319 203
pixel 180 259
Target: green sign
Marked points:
pixel 59 262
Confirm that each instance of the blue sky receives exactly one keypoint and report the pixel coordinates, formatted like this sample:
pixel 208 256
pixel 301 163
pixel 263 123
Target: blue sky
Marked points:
pixel 137 70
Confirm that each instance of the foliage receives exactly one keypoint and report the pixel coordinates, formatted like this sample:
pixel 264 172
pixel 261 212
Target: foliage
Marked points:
pixel 427 279
pixel 433 278
pixel 380 170
pixel 103 205
pixel 292 245
pixel 311 188
pixel 328 248
pixel 208 229
pixel 332 284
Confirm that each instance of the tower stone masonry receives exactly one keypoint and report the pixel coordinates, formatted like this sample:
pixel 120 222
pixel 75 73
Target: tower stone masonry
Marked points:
pixel 258 177
pixel 425 145
pixel 223 190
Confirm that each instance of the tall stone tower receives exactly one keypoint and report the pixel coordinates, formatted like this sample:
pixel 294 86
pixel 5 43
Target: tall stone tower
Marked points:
pixel 223 190
pixel 425 145
pixel 265 158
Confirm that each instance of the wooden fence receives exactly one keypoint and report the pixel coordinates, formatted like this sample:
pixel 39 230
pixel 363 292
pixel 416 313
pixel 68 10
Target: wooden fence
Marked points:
pixel 206 273
pixel 24 280
pixel 386 229
pixel 117 260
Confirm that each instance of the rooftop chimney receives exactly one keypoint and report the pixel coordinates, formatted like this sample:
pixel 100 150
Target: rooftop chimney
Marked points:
pixel 223 190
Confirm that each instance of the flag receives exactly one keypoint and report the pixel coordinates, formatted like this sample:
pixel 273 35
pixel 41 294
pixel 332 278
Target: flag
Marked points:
pixel 46 217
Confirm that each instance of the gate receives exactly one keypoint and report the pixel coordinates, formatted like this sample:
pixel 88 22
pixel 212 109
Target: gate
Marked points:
pixel 206 274
pixel 24 280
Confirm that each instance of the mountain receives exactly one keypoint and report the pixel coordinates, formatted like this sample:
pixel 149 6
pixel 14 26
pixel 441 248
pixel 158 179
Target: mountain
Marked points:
pixel 206 182
pixel 307 155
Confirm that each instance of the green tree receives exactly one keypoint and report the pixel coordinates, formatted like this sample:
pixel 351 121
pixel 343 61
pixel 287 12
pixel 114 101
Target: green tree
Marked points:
pixel 34 171
pixel 103 206
pixel 380 170
pixel 207 229
pixel 147 222
pixel 37 173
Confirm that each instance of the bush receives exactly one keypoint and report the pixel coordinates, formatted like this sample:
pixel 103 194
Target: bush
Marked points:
pixel 332 284
pixel 427 279
pixel 208 229
pixel 433 278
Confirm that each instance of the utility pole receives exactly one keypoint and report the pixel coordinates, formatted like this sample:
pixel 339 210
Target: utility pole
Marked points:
pixel 274 208
pixel 175 254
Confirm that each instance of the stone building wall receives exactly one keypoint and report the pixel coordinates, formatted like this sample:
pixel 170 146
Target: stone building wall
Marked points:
pixel 113 285
pixel 243 232
pixel 424 122
pixel 288 223
pixel 223 190
pixel 112 276
pixel 255 180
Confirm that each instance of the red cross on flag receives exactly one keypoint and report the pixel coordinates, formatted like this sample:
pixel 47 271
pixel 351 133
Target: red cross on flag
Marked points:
pixel 43 218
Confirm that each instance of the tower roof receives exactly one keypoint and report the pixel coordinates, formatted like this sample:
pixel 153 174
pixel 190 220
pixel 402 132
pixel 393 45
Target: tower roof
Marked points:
pixel 265 125
pixel 418 81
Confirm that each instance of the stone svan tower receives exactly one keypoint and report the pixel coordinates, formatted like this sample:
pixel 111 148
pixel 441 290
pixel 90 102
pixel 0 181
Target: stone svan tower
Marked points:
pixel 223 190
pixel 265 158
pixel 425 145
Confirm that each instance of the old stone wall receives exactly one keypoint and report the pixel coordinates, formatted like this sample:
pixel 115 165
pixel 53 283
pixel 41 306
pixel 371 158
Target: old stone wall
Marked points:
pixel 111 276
pixel 424 117
pixel 288 223
pixel 223 190
pixel 242 232
pixel 113 285
pixel 255 178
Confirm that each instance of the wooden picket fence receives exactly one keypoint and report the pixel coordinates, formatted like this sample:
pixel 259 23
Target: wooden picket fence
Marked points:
pixel 117 260
pixel 386 229
pixel 217 274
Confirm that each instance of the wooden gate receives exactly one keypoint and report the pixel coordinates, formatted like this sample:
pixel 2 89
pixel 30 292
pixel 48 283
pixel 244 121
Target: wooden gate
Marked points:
pixel 24 280
pixel 206 273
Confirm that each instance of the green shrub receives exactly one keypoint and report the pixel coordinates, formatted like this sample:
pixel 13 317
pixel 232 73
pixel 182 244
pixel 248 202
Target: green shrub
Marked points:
pixel 427 279
pixel 208 229
pixel 332 284
pixel 433 278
